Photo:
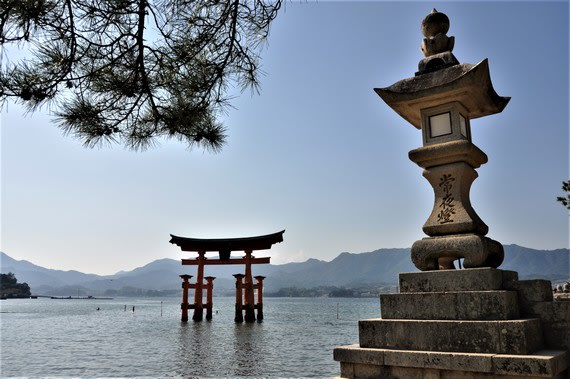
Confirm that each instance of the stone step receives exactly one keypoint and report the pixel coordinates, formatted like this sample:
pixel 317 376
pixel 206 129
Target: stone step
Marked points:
pixel 497 337
pixel 472 279
pixel 356 361
pixel 473 305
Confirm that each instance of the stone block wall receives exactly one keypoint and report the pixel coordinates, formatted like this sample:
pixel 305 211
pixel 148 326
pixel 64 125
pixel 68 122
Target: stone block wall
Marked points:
pixel 536 301
pixel 473 323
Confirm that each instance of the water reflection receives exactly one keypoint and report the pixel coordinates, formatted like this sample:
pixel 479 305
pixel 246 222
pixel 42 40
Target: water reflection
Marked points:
pixel 249 350
pixel 195 349
pixel 211 349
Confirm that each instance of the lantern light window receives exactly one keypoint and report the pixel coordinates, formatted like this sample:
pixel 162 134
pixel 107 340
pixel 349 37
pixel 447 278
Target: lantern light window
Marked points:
pixel 440 125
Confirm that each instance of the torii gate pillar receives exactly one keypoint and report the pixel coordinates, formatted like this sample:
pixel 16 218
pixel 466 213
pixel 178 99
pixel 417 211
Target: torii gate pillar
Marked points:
pixel 198 306
pixel 209 301
pixel 239 296
pixel 249 305
pixel 184 306
pixel 259 305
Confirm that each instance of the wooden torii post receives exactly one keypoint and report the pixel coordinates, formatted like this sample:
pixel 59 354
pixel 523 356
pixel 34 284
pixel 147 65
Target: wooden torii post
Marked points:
pixel 209 302
pixel 259 305
pixel 185 286
pixel 239 298
pixel 224 247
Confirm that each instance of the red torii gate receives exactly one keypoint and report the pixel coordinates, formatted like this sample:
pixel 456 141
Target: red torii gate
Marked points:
pixel 244 291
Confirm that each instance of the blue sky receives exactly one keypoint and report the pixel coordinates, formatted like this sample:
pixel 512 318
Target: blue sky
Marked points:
pixel 316 153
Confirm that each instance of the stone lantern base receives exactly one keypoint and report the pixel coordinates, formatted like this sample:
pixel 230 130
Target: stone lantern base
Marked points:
pixel 473 323
pixel 434 253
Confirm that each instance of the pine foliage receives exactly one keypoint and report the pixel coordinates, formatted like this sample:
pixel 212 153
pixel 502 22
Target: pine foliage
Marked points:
pixel 565 200
pixel 132 71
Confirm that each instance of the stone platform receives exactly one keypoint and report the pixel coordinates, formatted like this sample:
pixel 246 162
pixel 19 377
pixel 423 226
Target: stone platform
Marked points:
pixel 472 323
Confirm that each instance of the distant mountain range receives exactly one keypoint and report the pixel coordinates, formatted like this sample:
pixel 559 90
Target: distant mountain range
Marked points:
pixel 379 267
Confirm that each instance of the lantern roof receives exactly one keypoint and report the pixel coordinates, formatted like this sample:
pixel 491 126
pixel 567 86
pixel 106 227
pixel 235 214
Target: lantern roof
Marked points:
pixel 465 83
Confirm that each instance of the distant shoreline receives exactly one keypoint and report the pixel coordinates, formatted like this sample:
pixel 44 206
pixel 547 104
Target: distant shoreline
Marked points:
pixel 74 297
pixel 57 297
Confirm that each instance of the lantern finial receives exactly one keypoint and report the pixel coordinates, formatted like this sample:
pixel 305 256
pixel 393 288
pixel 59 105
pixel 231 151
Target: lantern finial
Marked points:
pixel 436 46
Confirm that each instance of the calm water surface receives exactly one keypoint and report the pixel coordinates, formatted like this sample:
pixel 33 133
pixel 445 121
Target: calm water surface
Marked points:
pixel 71 338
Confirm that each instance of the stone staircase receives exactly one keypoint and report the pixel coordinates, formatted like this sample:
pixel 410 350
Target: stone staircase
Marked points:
pixel 472 323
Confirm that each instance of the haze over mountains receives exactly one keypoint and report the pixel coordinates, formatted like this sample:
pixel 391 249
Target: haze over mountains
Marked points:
pixel 380 267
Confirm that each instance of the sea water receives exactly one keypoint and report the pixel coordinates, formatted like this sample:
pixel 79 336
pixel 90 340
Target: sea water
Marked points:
pixel 129 337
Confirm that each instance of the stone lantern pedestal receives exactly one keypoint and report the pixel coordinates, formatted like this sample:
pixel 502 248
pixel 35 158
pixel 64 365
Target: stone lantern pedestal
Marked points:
pixel 455 229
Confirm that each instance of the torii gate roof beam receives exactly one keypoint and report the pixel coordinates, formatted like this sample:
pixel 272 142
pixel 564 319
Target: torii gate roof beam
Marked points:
pixel 227 244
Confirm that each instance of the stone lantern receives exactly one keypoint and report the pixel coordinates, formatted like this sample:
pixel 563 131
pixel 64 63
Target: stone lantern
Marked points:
pixel 441 100
pixel 481 322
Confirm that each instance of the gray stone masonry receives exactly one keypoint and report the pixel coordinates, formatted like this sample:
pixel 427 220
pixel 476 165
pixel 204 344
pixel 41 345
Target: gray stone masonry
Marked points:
pixel 475 279
pixel 471 323
pixel 536 300
pixel 499 337
pixel 475 305
pixel 385 363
